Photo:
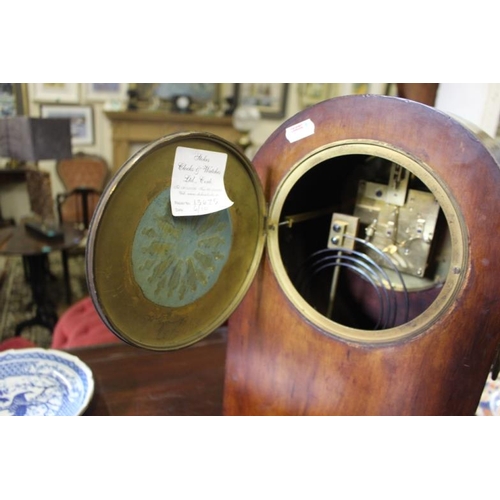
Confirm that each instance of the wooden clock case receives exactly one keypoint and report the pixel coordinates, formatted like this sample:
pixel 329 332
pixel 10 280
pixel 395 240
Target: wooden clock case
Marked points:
pixel 284 359
pixel 284 355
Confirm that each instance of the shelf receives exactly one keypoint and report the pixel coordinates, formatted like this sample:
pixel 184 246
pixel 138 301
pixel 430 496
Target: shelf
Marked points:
pixel 132 129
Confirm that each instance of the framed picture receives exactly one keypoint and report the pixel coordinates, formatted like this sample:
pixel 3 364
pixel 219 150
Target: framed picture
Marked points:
pixel 105 91
pixel 82 121
pixel 161 95
pixel 56 92
pixel 13 99
pixel 363 88
pixel 199 92
pixel 270 98
pixel 313 93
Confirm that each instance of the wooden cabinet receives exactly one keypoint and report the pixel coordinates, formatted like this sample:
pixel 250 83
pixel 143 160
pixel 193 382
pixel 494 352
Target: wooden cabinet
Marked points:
pixel 131 129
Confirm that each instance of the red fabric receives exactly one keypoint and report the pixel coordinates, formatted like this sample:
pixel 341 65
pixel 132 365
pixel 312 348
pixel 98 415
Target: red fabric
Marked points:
pixel 16 343
pixel 81 326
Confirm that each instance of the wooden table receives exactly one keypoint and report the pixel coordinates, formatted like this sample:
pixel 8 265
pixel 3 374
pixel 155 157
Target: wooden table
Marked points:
pixel 134 381
pixel 18 241
pixel 9 175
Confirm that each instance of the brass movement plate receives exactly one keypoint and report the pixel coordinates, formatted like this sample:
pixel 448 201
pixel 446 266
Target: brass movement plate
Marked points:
pixel 162 282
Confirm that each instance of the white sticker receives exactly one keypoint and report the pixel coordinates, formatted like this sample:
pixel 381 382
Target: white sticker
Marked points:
pixel 198 182
pixel 300 130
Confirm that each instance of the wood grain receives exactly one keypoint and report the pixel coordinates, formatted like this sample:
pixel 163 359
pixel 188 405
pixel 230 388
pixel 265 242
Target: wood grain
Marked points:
pixel 279 363
pixel 134 381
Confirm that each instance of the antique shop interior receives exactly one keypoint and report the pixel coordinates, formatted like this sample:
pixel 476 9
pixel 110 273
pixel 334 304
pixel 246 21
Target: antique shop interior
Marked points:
pixel 359 236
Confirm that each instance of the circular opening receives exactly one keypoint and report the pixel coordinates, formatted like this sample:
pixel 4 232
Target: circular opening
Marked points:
pixel 366 242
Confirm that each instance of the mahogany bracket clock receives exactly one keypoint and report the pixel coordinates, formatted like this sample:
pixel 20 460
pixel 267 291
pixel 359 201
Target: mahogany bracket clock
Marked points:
pixel 355 258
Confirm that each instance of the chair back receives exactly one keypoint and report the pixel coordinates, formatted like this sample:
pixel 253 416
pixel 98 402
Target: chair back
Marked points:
pixel 83 170
pixel 83 176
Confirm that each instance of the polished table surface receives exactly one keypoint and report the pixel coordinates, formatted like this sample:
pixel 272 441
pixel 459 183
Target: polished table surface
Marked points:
pixel 34 249
pixel 134 381
pixel 17 240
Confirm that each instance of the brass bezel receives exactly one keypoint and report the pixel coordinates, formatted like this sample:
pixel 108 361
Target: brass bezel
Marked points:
pixel 456 225
pixel 118 299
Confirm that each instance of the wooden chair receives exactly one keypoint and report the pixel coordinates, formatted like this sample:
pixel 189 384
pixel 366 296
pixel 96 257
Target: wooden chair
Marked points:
pixel 77 206
pixel 83 169
pixel 83 177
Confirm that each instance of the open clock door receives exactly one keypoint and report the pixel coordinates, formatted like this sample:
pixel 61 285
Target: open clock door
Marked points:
pixel 162 281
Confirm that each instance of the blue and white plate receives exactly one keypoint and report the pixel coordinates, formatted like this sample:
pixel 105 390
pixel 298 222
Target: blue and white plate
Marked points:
pixel 489 405
pixel 43 382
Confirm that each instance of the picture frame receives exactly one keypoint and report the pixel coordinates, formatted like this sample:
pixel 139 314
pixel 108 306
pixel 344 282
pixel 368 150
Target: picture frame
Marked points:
pixel 162 95
pixel 313 93
pixel 100 92
pixel 82 121
pixel 269 98
pixel 363 88
pixel 13 99
pixel 200 93
pixel 56 92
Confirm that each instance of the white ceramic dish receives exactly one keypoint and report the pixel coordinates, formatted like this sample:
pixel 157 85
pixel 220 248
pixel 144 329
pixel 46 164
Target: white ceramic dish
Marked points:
pixel 36 382
pixel 489 404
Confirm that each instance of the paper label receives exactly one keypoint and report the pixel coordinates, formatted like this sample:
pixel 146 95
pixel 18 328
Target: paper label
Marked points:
pixel 198 182
pixel 300 130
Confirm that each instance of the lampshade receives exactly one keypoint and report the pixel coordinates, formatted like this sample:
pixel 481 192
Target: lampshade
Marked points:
pixel 32 139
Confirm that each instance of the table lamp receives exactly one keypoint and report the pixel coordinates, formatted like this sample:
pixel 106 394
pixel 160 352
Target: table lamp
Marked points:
pixel 24 139
pixel 245 119
pixel 4 144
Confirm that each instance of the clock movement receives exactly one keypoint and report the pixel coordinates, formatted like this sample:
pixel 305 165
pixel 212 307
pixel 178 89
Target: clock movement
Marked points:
pixel 353 258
